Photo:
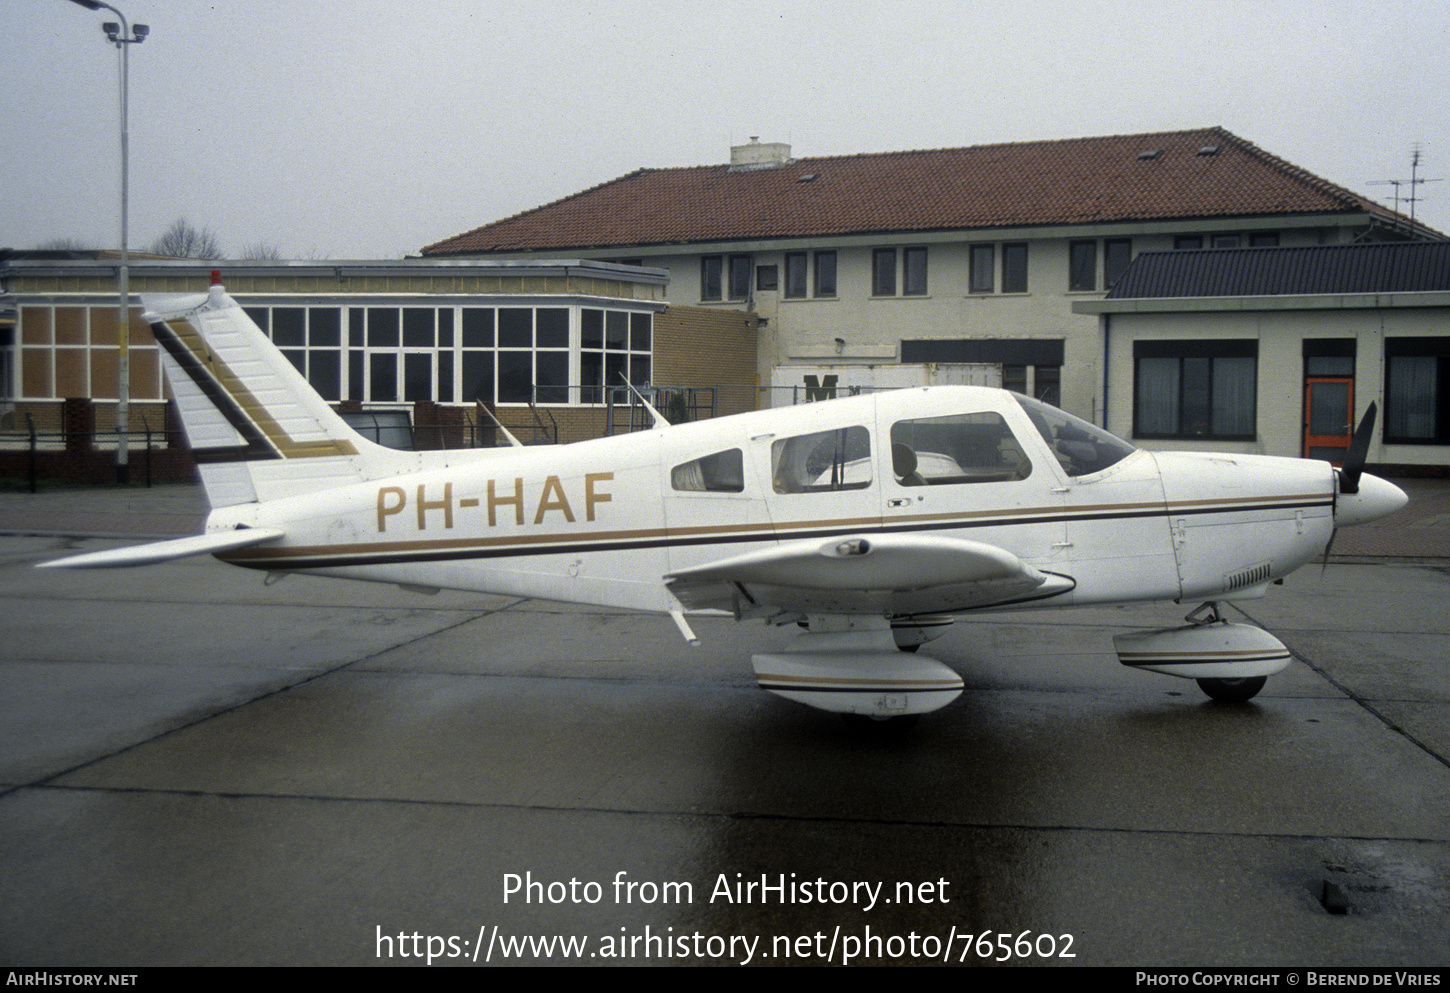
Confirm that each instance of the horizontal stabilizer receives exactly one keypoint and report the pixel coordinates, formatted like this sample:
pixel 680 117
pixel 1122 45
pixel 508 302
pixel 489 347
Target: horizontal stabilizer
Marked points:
pixel 165 551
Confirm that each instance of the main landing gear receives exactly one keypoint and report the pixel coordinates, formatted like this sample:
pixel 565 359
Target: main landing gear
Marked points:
pixel 1230 662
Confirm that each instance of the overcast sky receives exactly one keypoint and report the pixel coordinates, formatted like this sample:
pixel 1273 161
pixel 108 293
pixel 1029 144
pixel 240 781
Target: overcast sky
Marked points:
pixel 367 130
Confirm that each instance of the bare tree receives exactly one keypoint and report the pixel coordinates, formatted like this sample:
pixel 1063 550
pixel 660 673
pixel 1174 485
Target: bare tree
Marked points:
pixel 182 241
pixel 66 245
pixel 262 251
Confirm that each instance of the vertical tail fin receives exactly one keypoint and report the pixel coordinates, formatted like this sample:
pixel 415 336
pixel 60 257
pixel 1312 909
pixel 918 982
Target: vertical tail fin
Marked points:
pixel 257 429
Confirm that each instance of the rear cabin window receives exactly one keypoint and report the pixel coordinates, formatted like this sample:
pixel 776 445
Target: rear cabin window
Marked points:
pixel 958 448
pixel 723 472
pixel 839 459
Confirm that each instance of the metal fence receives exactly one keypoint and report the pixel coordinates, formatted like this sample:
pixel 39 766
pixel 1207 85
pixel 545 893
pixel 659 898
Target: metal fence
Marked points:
pixel 22 440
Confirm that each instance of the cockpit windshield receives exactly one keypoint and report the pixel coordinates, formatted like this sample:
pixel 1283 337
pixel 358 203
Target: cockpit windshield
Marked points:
pixel 1080 447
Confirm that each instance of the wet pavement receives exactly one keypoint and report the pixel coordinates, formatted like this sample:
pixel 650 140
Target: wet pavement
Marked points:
pixel 199 768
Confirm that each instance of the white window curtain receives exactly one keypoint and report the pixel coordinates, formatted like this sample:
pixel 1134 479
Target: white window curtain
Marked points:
pixel 1233 396
pixel 1413 388
pixel 1157 396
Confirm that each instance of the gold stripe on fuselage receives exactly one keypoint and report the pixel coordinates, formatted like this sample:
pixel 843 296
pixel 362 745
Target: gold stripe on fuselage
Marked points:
pixel 747 532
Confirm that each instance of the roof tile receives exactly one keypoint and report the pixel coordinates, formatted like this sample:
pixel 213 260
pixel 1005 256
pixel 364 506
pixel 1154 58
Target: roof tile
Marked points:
pixel 1070 181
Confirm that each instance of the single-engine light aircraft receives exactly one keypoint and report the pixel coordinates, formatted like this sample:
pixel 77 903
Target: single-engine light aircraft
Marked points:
pixel 868 521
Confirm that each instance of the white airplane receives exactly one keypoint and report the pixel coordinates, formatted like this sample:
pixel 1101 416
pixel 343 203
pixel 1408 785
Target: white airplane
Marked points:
pixel 868 521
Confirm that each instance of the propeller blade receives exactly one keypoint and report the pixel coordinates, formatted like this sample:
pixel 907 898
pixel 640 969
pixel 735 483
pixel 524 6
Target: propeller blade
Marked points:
pixel 1358 452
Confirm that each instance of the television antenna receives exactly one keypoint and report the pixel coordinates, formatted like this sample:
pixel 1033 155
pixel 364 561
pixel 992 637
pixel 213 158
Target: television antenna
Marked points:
pixel 1410 195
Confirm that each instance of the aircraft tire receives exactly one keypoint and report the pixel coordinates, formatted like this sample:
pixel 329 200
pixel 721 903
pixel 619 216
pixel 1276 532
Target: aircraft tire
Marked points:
pixel 1232 690
pixel 879 727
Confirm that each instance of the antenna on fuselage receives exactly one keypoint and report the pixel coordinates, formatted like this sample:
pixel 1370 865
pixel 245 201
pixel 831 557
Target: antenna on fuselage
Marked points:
pixel 499 424
pixel 660 421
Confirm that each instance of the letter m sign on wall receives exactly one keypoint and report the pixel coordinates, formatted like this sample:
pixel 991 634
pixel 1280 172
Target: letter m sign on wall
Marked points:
pixel 820 387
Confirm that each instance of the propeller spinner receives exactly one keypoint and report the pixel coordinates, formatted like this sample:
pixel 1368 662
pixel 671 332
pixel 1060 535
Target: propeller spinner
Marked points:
pixel 1361 498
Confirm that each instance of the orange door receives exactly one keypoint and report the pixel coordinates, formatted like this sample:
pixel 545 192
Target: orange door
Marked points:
pixel 1328 418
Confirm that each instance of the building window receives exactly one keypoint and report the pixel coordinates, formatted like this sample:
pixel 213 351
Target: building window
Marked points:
pixel 1226 241
pixel 613 345
pixel 795 275
pixel 1417 391
pixel 1264 239
pixel 1187 242
pixel 767 277
pixel 1047 384
pixel 981 263
pixel 1195 389
pixel 913 272
pixel 825 274
pixel 1083 265
pixel 739 277
pixel 311 338
pixel 1014 268
pixel 883 272
pixel 1117 253
pixel 711 270
pixel 73 351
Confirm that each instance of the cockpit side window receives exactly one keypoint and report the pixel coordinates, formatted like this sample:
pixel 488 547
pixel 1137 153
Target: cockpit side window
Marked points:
pixel 723 472
pixel 839 459
pixel 958 448
pixel 1080 447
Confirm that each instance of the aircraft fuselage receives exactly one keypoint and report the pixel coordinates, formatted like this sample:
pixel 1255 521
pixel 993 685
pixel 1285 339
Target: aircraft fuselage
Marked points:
pixel 601 521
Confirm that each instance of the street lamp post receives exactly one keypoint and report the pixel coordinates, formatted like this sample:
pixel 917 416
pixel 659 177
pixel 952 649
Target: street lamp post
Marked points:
pixel 122 35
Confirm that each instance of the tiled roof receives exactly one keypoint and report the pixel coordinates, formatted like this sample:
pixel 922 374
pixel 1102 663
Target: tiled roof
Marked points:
pixel 1074 181
pixel 1375 267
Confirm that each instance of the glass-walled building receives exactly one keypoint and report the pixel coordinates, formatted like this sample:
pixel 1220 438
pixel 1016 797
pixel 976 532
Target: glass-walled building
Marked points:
pixel 549 335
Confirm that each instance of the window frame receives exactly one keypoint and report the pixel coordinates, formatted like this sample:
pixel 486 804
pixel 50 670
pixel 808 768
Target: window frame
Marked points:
pixel 981 268
pixel 796 276
pixel 1214 351
pixel 883 272
pixel 1082 266
pixel 741 268
pixel 914 262
pixel 397 346
pixel 822 287
pixel 712 278
pixel 1117 256
pixel 1011 270
pixel 1437 349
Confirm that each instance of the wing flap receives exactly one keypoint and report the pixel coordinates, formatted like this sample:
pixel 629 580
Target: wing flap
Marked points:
pixel 165 551
pixel 894 574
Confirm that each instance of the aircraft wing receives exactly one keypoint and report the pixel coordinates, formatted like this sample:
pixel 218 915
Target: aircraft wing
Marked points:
pixel 889 574
pixel 165 551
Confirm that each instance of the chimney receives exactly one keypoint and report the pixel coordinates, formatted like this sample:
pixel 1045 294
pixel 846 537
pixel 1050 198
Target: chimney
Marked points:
pixel 747 158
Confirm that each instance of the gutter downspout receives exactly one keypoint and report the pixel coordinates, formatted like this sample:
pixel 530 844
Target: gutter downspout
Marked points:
pixel 1107 338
